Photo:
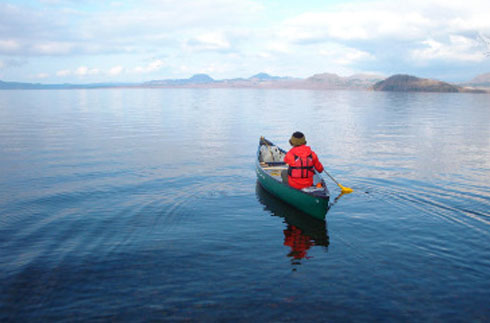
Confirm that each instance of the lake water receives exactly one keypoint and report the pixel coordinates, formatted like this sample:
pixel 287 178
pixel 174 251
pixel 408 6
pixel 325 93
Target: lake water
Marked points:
pixel 143 204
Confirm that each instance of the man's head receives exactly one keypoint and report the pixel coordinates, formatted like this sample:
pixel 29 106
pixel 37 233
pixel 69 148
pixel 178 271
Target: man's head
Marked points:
pixel 297 139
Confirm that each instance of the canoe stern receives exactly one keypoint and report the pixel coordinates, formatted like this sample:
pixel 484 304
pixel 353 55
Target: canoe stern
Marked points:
pixel 315 206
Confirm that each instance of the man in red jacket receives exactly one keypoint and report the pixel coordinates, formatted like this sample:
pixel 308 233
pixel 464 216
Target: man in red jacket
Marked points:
pixel 301 160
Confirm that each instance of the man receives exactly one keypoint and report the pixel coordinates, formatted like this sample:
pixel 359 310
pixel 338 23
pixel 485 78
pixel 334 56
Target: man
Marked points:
pixel 301 160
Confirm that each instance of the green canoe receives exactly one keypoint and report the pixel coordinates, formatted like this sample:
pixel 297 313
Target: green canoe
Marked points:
pixel 269 166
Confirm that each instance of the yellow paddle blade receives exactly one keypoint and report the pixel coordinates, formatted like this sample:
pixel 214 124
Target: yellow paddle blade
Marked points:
pixel 346 190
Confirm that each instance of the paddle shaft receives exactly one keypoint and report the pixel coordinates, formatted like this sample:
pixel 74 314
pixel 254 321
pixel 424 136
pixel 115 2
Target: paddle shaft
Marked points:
pixel 333 179
pixel 342 188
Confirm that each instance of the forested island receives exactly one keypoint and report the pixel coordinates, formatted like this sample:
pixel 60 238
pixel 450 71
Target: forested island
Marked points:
pixel 408 83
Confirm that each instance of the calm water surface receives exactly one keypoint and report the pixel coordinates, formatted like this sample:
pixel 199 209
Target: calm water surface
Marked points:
pixel 134 205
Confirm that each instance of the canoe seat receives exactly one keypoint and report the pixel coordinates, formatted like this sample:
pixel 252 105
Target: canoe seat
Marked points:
pixel 275 167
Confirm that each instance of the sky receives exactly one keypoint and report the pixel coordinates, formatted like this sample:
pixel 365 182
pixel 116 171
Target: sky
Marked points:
pixel 76 41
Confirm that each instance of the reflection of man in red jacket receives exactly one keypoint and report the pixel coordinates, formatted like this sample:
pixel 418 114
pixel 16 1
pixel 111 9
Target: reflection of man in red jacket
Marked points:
pixel 298 241
pixel 301 160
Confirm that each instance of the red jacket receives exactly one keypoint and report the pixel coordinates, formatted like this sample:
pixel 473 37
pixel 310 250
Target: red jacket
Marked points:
pixel 301 155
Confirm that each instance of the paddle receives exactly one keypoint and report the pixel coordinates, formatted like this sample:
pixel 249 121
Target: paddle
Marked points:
pixel 345 190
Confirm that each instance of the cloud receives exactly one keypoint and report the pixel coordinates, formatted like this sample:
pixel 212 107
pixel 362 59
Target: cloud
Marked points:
pixel 63 73
pixel 41 75
pixel 68 28
pixel 81 71
pixel 12 63
pixel 485 43
pixel 384 19
pixel 241 36
pixel 52 48
pixel 116 70
pixel 458 48
pixel 84 71
pixel 9 46
pixel 358 23
pixel 279 46
pixel 215 41
pixel 155 65
pixel 343 55
pixel 150 67
pixel 386 34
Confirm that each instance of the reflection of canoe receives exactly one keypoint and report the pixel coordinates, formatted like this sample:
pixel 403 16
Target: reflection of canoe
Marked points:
pixel 312 229
pixel 270 164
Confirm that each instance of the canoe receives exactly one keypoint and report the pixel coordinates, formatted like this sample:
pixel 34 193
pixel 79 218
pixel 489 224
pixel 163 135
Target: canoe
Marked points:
pixel 269 166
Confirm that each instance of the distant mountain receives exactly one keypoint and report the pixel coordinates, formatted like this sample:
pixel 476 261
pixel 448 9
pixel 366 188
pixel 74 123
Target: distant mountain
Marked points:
pixel 482 80
pixel 408 83
pixel 200 79
pixel 266 77
pixel 193 80
pixel 334 81
pixel 39 86
pixel 18 85
pixel 203 80
pixel 323 81
pixel 367 77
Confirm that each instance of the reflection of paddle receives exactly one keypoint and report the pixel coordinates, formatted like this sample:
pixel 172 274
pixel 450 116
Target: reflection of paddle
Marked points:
pixel 338 198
